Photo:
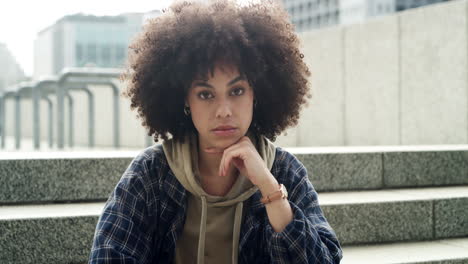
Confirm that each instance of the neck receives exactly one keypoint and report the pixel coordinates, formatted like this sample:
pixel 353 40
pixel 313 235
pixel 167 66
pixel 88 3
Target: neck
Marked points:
pixel 209 162
pixel 212 182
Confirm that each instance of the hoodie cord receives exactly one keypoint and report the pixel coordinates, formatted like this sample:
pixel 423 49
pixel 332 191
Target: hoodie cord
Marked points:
pixel 236 231
pixel 201 238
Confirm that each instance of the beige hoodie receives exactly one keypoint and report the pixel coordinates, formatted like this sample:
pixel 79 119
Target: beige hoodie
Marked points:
pixel 213 221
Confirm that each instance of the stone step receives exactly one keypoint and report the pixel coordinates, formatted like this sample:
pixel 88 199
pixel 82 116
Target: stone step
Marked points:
pixel 39 177
pixel 358 218
pixel 383 167
pixel 32 177
pixel 446 251
pixel 54 233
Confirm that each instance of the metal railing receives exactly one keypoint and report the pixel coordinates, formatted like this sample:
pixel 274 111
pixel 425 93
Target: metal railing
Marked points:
pixel 71 79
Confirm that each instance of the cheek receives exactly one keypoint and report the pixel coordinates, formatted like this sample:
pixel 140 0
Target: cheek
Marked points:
pixel 199 115
pixel 246 108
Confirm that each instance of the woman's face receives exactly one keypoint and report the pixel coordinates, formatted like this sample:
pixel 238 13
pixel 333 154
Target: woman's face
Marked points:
pixel 221 107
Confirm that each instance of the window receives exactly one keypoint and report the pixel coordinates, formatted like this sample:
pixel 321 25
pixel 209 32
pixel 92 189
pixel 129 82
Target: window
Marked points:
pixel 91 52
pixel 120 53
pixel 79 53
pixel 105 55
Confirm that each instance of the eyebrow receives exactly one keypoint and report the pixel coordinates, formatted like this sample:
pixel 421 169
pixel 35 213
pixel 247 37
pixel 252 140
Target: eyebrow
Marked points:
pixel 238 78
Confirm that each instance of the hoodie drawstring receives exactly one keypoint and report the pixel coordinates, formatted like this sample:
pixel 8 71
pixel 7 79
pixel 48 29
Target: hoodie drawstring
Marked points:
pixel 236 231
pixel 201 238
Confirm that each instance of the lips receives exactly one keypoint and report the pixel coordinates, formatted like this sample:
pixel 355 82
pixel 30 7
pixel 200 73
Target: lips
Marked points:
pixel 225 130
pixel 221 128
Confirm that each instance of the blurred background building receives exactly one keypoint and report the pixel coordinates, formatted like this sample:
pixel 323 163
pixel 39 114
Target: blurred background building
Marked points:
pixel 85 40
pixel 11 71
pixel 313 14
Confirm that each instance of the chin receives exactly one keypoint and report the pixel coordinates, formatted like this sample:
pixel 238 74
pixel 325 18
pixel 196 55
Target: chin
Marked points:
pixel 224 142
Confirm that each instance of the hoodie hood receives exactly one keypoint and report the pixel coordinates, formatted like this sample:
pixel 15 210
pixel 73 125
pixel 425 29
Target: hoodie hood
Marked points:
pixel 183 161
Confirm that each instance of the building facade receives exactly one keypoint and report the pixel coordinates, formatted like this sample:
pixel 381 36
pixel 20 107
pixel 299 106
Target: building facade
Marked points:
pixel 313 14
pixel 357 11
pixel 85 40
pixel 10 72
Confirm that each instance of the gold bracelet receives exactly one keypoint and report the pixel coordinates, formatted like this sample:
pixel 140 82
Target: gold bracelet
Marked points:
pixel 282 193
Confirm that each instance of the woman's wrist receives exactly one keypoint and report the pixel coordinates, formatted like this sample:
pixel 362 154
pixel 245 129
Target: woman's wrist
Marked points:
pixel 268 186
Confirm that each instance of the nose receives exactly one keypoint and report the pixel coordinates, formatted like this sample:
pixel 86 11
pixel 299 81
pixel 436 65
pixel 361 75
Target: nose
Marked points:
pixel 223 109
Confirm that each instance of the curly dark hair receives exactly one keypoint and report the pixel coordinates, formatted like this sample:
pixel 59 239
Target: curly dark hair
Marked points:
pixel 187 41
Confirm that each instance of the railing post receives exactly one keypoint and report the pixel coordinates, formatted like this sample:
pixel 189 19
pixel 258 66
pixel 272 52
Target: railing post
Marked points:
pixel 2 121
pixel 36 116
pixel 60 117
pixel 17 121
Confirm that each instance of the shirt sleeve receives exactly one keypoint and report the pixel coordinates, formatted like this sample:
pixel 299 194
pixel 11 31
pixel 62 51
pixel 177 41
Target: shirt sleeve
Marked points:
pixel 308 238
pixel 122 232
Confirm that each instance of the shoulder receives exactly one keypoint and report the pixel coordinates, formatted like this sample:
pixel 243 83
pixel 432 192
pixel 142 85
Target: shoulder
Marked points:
pixel 148 161
pixel 286 160
pixel 287 168
pixel 149 168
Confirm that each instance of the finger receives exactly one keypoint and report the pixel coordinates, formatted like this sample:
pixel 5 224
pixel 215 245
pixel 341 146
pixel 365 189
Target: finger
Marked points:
pixel 238 163
pixel 224 164
pixel 231 155
pixel 220 169
pixel 241 148
pixel 221 164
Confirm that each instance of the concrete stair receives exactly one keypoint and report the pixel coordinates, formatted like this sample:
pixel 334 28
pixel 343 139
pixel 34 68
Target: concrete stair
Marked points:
pixel 386 204
pixel 453 251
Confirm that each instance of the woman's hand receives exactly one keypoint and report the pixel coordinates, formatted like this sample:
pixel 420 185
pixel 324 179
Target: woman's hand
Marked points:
pixel 246 159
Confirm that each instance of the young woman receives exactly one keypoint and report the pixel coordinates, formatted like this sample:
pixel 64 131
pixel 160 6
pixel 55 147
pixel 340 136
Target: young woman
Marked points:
pixel 217 82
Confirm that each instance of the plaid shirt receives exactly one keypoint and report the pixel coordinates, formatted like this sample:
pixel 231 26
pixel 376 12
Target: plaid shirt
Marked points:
pixel 145 214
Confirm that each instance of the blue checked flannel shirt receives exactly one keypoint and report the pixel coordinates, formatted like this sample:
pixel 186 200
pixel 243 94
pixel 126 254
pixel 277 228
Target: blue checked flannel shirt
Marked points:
pixel 145 214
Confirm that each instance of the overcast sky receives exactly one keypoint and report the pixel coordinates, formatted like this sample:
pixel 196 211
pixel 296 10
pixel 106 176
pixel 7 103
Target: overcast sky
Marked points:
pixel 21 20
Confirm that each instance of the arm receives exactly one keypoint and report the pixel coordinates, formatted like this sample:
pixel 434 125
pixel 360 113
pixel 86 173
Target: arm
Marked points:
pixel 279 212
pixel 308 238
pixel 304 235
pixel 122 233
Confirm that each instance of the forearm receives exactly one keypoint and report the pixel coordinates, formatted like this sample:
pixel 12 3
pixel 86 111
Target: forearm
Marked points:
pixel 279 211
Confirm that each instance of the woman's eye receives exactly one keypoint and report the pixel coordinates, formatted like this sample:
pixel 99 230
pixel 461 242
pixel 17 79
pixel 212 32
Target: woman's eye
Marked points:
pixel 238 91
pixel 205 95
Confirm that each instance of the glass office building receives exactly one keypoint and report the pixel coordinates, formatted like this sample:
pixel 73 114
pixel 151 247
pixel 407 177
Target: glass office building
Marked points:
pixel 85 40
pixel 313 14
pixel 10 72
